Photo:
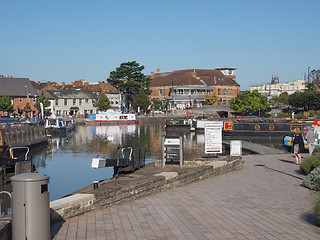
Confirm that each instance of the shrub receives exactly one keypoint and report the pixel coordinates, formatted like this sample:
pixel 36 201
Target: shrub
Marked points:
pixel 316 162
pixel 306 164
pixel 316 208
pixel 312 180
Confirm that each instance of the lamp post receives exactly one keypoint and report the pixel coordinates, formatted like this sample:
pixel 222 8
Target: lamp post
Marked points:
pixel 172 91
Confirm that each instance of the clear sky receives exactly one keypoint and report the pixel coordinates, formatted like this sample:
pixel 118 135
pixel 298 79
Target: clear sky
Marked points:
pixel 65 40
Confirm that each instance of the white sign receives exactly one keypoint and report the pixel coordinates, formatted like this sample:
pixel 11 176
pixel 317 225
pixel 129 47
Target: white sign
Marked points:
pixel 235 148
pixel 172 141
pixel 213 138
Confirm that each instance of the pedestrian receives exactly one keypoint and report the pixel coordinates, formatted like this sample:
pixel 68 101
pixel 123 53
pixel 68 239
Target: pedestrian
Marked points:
pixel 310 139
pixel 297 145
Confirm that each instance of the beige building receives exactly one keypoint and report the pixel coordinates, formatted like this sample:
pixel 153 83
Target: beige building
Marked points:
pixel 276 88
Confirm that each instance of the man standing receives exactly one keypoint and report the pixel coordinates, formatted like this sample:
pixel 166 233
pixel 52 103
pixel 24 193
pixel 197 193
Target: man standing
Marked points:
pixel 310 139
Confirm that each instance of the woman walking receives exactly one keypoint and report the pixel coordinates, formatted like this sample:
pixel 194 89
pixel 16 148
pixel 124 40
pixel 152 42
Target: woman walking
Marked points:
pixel 298 145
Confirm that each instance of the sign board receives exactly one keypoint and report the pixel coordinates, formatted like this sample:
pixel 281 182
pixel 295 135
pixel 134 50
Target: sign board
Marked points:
pixel 316 122
pixel 235 148
pixel 172 149
pixel 213 138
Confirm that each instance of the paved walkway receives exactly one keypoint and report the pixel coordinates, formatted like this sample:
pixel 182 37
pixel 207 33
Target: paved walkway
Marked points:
pixel 262 201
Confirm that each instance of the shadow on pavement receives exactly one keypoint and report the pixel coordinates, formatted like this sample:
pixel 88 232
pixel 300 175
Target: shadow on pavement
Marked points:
pixel 288 174
pixel 310 218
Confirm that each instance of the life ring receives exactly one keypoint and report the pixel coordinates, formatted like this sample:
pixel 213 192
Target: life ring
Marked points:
pixel 257 127
pixel 271 127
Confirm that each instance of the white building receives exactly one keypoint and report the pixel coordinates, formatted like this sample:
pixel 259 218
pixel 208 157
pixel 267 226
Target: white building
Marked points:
pixel 71 102
pixel 275 89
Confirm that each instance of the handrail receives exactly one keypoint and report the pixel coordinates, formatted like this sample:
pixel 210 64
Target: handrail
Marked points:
pixel 6 192
pixel 12 155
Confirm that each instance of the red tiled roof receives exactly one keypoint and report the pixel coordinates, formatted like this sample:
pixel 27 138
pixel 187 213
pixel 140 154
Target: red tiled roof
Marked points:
pixel 192 77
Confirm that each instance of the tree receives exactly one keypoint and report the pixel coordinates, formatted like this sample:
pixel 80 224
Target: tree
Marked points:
pixel 307 100
pixel 103 103
pixel 315 76
pixel 210 99
pixel 42 99
pixel 5 103
pixel 249 103
pixel 141 100
pixel 156 104
pixel 129 79
pixel 283 98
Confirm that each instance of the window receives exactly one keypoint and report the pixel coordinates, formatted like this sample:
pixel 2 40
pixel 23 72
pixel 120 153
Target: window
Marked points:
pixel 57 102
pixel 160 92
pixel 219 91
pixel 80 101
pixel 87 100
pixel 33 99
pixel 231 90
pixel 224 102
pixel 66 102
pixel 224 91
pixel 20 99
pixel 74 101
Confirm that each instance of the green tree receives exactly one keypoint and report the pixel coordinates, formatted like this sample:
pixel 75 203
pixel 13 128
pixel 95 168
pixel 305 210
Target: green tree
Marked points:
pixel 283 98
pixel 307 100
pixel 250 103
pixel 315 77
pixel 156 104
pixel 103 103
pixel 5 103
pixel 42 99
pixel 129 79
pixel 210 99
pixel 141 100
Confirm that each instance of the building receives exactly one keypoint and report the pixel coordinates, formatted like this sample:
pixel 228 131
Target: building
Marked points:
pixel 71 102
pixel 188 88
pixel 22 93
pixel 275 88
pixel 114 95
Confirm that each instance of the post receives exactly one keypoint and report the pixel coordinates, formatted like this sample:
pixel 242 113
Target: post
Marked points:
pixel 163 153
pixel 181 152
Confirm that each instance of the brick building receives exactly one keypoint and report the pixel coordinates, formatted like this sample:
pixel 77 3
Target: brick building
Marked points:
pixel 187 88
pixel 22 93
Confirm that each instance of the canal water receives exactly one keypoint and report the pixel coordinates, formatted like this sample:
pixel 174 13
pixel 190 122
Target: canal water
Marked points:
pixel 67 161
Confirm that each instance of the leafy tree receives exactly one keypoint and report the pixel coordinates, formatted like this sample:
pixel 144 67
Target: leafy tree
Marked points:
pixel 156 104
pixel 42 99
pixel 5 103
pixel 129 79
pixel 283 98
pixel 210 99
pixel 103 103
pixel 307 100
pixel 249 103
pixel 141 100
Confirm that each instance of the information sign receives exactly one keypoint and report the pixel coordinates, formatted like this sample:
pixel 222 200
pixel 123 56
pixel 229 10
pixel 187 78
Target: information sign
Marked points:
pixel 172 149
pixel 213 138
pixel 235 148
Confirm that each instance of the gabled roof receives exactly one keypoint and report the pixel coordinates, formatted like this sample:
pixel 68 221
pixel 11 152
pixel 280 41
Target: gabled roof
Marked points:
pixel 69 94
pixel 192 77
pixel 16 87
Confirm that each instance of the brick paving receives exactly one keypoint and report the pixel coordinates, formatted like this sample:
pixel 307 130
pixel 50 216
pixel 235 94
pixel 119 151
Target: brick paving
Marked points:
pixel 265 200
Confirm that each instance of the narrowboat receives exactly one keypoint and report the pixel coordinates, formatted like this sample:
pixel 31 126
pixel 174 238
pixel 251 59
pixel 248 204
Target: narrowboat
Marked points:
pixel 112 117
pixel 57 125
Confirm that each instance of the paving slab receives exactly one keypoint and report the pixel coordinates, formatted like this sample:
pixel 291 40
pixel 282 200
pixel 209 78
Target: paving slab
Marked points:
pixel 264 200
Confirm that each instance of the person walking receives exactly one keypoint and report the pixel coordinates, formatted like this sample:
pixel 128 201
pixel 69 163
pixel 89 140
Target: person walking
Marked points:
pixel 297 145
pixel 310 139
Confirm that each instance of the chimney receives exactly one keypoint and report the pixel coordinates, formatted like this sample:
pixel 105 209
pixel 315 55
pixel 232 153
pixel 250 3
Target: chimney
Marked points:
pixel 158 70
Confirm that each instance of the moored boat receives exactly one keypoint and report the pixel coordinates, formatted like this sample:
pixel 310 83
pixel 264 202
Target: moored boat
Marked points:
pixel 58 125
pixel 111 116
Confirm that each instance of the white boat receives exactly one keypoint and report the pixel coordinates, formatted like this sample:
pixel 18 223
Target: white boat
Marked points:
pixel 59 124
pixel 112 116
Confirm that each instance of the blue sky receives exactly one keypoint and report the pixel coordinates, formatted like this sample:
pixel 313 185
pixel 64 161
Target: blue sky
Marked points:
pixel 64 41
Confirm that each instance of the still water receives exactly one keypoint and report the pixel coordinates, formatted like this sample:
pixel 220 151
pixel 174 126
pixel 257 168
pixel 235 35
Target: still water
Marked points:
pixel 67 161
